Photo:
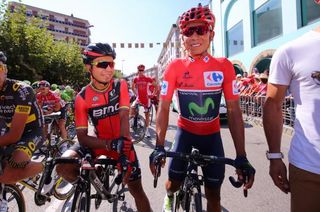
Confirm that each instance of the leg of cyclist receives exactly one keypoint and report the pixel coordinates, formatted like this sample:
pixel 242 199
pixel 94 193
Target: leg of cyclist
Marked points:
pixel 133 108
pixel 70 172
pixel 62 123
pixel 147 105
pixel 19 165
pixel 213 173
pixel 177 168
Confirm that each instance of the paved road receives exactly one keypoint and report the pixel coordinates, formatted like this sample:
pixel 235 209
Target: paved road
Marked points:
pixel 263 197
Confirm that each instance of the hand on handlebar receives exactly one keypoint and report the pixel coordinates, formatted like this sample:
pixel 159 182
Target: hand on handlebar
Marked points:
pixel 122 145
pixel 245 172
pixel 125 166
pixel 157 158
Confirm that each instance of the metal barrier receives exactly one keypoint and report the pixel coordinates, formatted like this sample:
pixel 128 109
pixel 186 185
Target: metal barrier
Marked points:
pixel 251 107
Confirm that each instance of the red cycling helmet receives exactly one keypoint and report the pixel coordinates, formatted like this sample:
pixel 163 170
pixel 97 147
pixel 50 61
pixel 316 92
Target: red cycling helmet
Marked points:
pixel 317 1
pixel 141 67
pixel 197 14
pixel 44 83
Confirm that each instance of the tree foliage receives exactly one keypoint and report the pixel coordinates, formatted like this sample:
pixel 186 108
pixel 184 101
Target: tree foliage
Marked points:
pixel 32 52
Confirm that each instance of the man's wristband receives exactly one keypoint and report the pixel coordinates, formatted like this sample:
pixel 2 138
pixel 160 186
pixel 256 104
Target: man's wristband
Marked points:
pixel 271 156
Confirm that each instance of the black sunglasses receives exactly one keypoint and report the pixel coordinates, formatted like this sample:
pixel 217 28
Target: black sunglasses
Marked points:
pixel 200 30
pixel 103 64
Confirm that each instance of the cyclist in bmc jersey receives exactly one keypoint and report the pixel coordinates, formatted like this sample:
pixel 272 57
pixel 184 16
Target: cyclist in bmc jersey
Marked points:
pixel 141 88
pixel 198 82
pixel 21 124
pixel 105 101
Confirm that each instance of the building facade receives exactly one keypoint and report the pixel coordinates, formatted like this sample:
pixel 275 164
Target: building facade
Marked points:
pixel 249 31
pixel 63 27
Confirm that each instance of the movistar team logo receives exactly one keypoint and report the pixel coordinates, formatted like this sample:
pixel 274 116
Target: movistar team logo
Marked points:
pixel 193 107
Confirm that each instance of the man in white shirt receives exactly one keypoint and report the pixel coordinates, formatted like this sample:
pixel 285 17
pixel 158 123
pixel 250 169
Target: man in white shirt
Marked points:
pixel 295 66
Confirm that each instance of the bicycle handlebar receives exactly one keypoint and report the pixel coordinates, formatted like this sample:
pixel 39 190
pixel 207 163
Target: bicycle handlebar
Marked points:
pixel 198 159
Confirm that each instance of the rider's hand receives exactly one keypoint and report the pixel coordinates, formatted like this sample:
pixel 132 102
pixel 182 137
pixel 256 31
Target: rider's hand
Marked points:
pixel 278 173
pixel 158 153
pixel 245 171
pixel 125 165
pixel 122 145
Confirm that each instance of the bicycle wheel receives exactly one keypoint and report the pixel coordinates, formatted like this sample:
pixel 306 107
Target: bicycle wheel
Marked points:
pixel 81 200
pixel 196 202
pixel 63 189
pixel 15 199
pixel 137 128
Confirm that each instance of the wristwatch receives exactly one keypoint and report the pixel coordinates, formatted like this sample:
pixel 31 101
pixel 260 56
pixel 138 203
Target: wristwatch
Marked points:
pixel 270 156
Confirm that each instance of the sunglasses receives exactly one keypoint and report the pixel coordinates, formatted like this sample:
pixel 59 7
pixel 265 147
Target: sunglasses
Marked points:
pixel 44 86
pixel 200 30
pixel 103 64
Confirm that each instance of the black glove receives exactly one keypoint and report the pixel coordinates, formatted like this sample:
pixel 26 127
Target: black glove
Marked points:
pixel 122 145
pixel 158 153
pixel 242 163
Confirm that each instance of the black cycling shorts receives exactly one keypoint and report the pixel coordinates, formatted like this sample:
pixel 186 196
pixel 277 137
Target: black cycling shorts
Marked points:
pixel 63 114
pixel 82 151
pixel 207 145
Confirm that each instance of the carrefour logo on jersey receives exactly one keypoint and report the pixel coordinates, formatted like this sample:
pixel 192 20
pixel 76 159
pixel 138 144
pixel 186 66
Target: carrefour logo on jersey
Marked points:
pixel 213 78
pixel 164 88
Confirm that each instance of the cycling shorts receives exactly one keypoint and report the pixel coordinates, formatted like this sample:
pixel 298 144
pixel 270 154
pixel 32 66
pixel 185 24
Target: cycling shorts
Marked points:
pixel 147 107
pixel 27 144
pixel 207 145
pixel 82 151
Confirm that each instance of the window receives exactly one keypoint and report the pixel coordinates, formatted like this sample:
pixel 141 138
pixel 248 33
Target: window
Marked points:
pixel 310 12
pixel 235 39
pixel 267 21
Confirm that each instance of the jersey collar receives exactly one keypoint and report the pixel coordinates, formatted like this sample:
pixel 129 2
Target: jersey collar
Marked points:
pixel 204 58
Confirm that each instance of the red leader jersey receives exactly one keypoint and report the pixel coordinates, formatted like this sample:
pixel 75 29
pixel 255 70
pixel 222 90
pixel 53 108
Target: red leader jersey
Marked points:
pixel 102 108
pixel 48 100
pixel 198 85
pixel 143 84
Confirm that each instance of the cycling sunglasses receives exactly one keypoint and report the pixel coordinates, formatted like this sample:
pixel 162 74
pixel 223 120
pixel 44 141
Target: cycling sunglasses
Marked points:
pixel 103 64
pixel 200 30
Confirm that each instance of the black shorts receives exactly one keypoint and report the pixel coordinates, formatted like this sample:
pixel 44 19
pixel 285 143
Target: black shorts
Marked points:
pixel 207 145
pixel 63 114
pixel 82 151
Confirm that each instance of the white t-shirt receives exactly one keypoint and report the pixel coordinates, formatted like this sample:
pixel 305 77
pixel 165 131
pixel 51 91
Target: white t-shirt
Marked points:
pixel 292 65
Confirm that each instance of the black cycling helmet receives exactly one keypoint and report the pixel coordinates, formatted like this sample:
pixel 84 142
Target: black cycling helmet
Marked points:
pixel 3 58
pixel 95 50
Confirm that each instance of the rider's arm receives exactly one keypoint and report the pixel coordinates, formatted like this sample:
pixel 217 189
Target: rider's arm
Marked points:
pixel 162 121
pixel 124 105
pixel 236 126
pixel 18 124
pixel 272 115
pixel 133 87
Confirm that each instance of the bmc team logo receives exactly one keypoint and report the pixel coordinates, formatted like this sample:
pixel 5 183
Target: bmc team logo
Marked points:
pixel 164 88
pixel 213 78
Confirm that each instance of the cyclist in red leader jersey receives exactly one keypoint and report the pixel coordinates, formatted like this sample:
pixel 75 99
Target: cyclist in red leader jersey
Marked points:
pixel 141 88
pixel 105 101
pixel 198 82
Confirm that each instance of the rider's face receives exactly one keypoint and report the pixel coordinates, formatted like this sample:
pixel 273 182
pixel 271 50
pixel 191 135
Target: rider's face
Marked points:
pixel 195 43
pixel 103 68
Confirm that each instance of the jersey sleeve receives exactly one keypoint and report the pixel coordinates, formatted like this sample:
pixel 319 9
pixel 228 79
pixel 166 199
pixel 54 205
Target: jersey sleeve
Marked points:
pixel 168 84
pixel 124 95
pixel 81 113
pixel 230 88
pixel 24 98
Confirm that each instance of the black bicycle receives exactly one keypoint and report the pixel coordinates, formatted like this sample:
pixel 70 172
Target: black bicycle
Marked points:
pixel 11 193
pixel 137 126
pixel 188 197
pixel 105 178
pixel 53 147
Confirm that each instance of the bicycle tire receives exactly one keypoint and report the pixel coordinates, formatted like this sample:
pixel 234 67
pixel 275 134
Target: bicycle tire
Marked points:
pixel 14 196
pixel 81 199
pixel 137 132
pixel 57 193
pixel 197 202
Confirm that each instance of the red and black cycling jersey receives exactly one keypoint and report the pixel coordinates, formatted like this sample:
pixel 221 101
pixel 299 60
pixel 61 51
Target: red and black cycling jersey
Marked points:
pixel 102 108
pixel 18 97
